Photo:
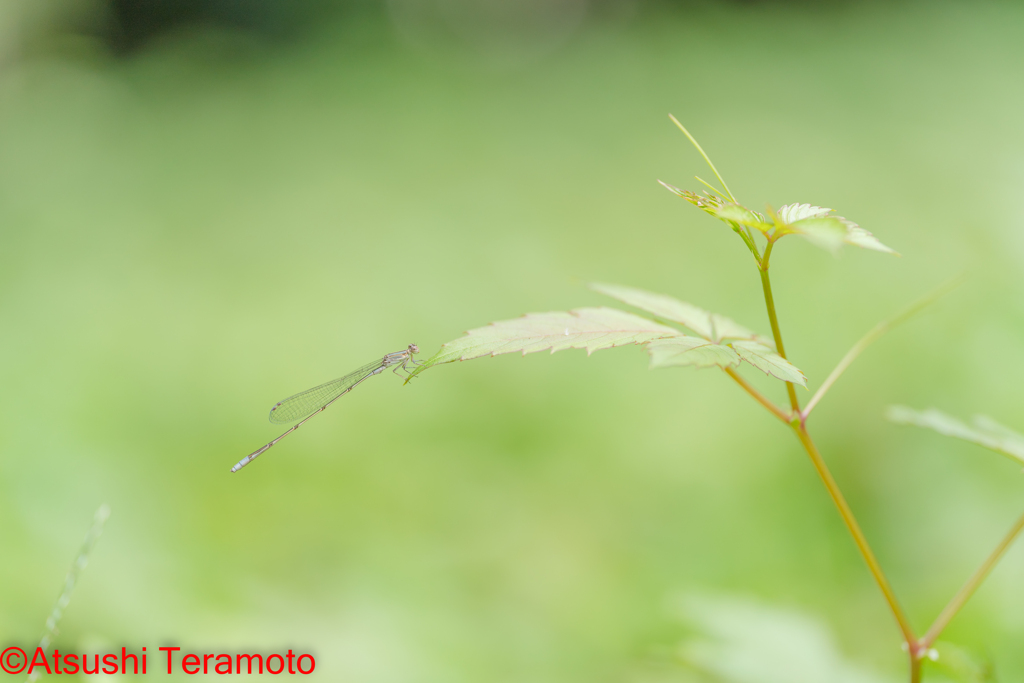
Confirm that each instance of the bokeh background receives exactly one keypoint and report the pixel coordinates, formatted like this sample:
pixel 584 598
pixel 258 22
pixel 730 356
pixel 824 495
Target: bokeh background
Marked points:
pixel 208 205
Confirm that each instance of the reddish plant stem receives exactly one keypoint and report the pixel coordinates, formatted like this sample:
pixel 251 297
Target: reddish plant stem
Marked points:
pixel 798 424
pixel 858 536
pixel 758 396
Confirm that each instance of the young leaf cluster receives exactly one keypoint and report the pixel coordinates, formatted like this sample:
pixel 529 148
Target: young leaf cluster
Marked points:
pixel 816 224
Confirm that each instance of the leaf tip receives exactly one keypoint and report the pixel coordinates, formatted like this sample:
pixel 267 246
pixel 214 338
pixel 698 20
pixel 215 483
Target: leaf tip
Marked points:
pixel 671 188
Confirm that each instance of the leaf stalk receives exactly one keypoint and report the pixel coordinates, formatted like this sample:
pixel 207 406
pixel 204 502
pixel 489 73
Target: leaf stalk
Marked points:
pixel 873 335
pixel 758 396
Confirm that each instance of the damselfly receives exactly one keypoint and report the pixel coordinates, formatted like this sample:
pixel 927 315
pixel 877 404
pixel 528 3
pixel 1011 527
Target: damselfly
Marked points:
pixel 312 401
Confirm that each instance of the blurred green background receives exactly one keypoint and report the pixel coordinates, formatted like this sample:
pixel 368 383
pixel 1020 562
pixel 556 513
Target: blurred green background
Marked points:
pixel 206 207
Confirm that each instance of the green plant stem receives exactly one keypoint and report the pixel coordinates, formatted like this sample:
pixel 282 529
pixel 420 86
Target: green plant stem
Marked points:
pixel 769 302
pixel 796 420
pixel 758 396
pixel 848 518
pixel 968 588
pixel 800 429
pixel 847 514
pixel 858 536
pixel 851 521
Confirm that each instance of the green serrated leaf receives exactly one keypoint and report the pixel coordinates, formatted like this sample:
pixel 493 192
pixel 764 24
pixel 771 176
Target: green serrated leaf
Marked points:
pixel 710 326
pixel 985 431
pixel 828 232
pixel 585 328
pixel 824 230
pixel 683 351
pixel 769 362
pixel 859 237
pixel 736 213
pixel 701 353
pixel 716 330
pixel 791 213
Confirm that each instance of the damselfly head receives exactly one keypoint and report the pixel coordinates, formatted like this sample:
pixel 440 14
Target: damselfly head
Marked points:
pixel 413 348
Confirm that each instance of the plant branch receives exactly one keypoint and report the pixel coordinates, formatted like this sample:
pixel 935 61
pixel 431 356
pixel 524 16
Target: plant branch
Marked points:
pixel 702 153
pixel 968 588
pixel 758 396
pixel 800 428
pixel 797 421
pixel 769 302
pixel 858 537
pixel 876 332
